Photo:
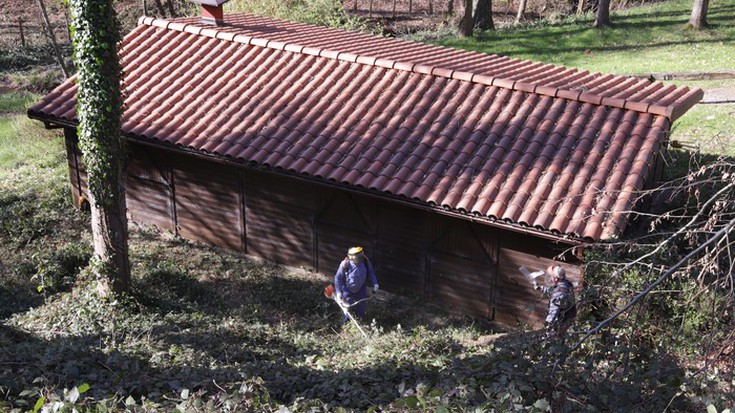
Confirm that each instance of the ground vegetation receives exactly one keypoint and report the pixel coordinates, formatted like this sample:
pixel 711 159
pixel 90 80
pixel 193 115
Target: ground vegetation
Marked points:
pixel 206 330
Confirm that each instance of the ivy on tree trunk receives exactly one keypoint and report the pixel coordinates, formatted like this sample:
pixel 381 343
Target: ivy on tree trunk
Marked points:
pixel 96 32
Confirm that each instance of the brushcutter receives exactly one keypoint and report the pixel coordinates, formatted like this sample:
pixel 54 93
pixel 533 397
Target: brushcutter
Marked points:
pixel 330 293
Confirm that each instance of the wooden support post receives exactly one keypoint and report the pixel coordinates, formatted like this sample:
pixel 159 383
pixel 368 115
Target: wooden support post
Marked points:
pixel 22 34
pixel 394 9
pixel 52 38
pixel 410 7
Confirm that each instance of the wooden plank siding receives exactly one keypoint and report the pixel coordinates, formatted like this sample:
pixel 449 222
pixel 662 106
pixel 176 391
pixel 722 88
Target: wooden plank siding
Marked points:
pixel 344 220
pixel 402 248
pixel 208 202
pixel 517 301
pixel 279 218
pixel 148 188
pixel 461 265
pixel 77 174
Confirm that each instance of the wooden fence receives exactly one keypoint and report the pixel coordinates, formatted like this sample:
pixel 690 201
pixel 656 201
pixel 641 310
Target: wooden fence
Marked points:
pixel 400 8
pixel 24 32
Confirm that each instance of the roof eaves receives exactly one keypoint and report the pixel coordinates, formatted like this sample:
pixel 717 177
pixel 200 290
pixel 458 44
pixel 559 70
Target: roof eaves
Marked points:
pixel 557 236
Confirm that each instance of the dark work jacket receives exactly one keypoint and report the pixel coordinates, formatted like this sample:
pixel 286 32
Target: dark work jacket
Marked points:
pixel 562 305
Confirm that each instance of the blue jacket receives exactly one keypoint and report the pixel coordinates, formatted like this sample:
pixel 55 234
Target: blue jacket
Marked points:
pixel 350 279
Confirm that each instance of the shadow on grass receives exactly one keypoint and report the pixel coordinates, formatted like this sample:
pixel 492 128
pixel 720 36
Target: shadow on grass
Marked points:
pixel 238 319
pixel 520 361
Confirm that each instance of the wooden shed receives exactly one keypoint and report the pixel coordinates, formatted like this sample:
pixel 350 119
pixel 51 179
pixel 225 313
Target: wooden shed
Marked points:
pixel 293 142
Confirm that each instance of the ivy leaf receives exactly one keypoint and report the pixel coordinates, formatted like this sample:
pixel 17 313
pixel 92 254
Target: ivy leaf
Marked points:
pixel 39 404
pixel 411 401
pixel 542 405
pixel 130 401
pixel 73 395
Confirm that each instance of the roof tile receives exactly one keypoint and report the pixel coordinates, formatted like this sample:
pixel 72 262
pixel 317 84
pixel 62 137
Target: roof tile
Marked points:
pixel 523 142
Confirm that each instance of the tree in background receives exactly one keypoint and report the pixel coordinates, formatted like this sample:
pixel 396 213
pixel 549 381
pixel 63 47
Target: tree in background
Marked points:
pixel 698 20
pixel 521 10
pixel 96 32
pixel 49 29
pixel 484 15
pixel 466 24
pixel 602 18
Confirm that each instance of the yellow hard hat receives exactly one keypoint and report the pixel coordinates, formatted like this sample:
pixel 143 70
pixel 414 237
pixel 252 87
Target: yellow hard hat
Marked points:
pixel 354 250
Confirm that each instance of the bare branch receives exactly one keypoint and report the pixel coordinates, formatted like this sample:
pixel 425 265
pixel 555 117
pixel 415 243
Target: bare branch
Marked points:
pixel 714 239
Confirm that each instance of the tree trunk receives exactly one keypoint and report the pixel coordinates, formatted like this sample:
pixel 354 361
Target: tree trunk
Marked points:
pixel 698 20
pixel 466 25
pixel 171 11
pixel 521 10
pixel 603 14
pixel 99 109
pixel 484 15
pixel 52 38
pixel 159 6
pixel 580 6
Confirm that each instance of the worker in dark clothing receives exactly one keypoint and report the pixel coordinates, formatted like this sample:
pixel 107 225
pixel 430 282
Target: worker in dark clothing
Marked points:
pixel 562 304
pixel 350 281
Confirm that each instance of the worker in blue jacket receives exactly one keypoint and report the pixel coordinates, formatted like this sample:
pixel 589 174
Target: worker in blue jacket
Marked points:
pixel 350 281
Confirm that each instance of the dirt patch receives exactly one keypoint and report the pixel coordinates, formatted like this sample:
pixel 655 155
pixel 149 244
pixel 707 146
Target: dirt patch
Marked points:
pixel 720 95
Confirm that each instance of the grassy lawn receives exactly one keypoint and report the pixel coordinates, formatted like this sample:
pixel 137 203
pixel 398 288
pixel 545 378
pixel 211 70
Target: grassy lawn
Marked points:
pixel 649 39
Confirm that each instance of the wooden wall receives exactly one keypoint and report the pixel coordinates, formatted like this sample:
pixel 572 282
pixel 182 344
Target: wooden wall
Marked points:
pixel 463 266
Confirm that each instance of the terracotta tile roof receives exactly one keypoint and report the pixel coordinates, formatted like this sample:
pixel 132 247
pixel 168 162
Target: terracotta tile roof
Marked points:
pixel 516 142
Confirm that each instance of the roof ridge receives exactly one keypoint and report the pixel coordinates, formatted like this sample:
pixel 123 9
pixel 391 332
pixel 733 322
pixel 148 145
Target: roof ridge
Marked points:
pixel 672 111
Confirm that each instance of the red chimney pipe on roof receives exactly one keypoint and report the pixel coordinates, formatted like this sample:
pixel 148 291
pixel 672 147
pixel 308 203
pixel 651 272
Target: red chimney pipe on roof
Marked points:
pixel 212 12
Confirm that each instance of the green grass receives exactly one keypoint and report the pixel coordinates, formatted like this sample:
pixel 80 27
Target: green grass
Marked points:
pixel 648 39
pixel 16 102
pixel 709 127
pixel 24 142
